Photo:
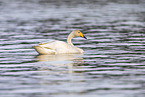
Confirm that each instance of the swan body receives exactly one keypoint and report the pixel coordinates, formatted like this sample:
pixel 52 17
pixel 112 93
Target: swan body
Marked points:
pixel 60 47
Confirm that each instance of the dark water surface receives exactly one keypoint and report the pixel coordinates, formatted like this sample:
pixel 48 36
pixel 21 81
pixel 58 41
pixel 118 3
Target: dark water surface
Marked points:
pixel 113 64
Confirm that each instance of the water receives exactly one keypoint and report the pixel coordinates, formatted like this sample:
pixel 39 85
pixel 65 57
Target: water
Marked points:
pixel 113 62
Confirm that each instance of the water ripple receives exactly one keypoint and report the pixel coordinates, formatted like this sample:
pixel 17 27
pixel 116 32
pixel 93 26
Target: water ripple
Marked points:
pixel 113 62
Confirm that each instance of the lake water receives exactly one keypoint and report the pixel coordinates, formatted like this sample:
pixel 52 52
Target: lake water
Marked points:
pixel 113 64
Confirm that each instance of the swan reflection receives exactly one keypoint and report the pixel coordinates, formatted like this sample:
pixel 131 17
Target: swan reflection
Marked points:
pixel 60 62
pixel 63 57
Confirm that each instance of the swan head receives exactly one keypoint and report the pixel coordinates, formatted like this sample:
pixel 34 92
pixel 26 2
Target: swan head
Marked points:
pixel 79 34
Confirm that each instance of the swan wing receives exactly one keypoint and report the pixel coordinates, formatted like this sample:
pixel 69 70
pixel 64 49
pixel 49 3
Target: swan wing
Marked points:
pixel 44 50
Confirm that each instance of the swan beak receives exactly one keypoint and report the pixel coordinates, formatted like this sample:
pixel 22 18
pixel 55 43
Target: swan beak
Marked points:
pixel 83 36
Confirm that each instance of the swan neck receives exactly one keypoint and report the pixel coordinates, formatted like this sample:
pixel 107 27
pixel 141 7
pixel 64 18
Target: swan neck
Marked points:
pixel 71 35
pixel 70 38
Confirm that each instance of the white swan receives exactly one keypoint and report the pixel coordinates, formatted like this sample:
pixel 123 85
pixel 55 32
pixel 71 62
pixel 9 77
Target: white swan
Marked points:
pixel 60 47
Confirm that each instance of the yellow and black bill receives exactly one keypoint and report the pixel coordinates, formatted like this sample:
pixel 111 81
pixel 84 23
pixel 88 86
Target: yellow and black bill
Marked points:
pixel 82 35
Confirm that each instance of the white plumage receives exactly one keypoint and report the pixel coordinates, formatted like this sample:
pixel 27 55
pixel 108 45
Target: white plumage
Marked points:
pixel 60 47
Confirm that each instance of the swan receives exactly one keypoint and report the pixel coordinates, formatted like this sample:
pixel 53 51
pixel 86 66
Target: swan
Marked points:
pixel 60 47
